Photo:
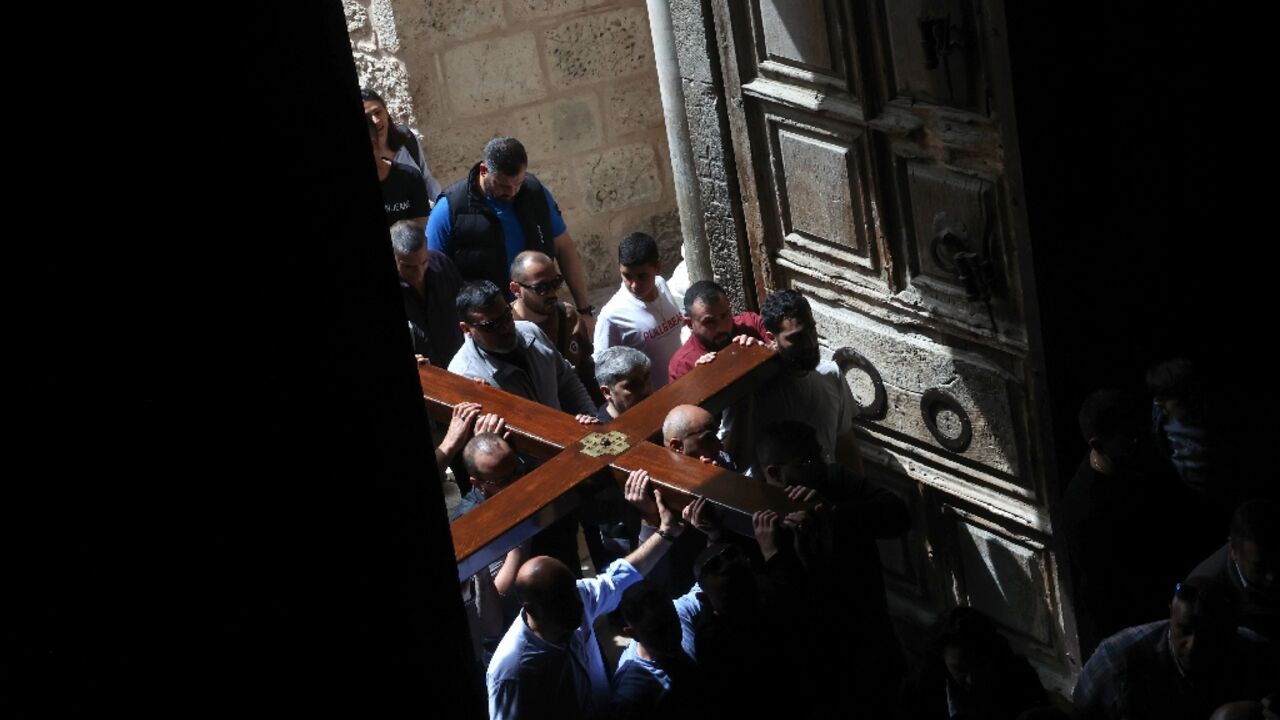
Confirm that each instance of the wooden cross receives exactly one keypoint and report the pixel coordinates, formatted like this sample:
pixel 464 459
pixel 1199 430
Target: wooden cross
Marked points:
pixel 573 452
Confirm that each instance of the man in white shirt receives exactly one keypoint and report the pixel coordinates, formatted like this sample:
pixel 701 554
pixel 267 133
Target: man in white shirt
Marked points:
pixel 549 662
pixel 809 389
pixel 642 314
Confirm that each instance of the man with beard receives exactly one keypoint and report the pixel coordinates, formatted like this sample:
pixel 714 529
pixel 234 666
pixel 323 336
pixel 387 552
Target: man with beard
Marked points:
pixel 713 326
pixel 1179 668
pixel 809 389
pixel 499 210
pixel 534 283
pixel 514 355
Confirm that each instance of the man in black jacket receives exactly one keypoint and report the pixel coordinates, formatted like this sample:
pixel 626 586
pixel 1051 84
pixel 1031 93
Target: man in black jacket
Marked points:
pixel 497 212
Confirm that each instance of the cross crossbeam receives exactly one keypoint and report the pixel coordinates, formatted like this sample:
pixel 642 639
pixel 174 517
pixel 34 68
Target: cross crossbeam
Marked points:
pixel 572 453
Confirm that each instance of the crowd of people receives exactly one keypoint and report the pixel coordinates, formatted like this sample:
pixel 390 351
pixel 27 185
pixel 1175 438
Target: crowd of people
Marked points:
pixel 724 624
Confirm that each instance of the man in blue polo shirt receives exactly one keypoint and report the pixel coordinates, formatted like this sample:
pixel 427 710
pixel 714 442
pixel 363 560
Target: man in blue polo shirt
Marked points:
pixel 497 212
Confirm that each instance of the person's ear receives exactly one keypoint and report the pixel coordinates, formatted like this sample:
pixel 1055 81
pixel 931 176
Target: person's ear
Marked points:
pixel 676 444
pixel 769 338
pixel 514 287
pixel 688 321
pixel 1094 443
pixel 606 392
pixel 466 329
pixel 475 483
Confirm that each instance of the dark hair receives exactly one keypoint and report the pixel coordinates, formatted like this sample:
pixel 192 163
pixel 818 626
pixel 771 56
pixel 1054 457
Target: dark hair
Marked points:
pixel 644 606
pixel 787 440
pixel 1172 378
pixel 724 573
pixel 703 291
pixel 1255 520
pixel 638 249
pixel 475 297
pixel 395 137
pixel 784 304
pixel 969 628
pixel 505 155
pixel 1111 412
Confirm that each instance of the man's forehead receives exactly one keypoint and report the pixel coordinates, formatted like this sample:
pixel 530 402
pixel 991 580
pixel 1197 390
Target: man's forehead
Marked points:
pixel 715 306
pixel 497 307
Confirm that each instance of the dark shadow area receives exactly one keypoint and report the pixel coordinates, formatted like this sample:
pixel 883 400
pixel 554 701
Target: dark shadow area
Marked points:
pixel 236 503
pixel 1148 223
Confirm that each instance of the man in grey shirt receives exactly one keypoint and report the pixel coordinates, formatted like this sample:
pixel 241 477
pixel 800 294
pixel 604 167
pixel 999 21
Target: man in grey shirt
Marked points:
pixel 514 355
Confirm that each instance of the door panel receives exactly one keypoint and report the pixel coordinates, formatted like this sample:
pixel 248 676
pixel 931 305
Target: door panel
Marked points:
pixel 871 153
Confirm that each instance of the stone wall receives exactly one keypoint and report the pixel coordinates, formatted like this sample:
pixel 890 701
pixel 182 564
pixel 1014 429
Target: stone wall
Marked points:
pixel 574 80
pixel 703 88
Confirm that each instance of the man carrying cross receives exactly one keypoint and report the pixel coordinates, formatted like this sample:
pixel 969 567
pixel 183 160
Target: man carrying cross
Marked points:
pixel 549 663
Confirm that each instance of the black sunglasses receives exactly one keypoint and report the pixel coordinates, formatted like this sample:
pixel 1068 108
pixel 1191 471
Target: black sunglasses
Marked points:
pixel 502 319
pixel 543 288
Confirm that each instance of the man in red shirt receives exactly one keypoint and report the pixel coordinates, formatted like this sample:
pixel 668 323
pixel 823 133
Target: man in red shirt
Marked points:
pixel 713 326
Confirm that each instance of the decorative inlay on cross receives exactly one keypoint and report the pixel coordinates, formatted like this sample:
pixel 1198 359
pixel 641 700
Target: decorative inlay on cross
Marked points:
pixel 572 453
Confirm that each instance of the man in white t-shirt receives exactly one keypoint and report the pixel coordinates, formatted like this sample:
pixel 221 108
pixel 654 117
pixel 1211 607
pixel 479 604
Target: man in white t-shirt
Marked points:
pixel 642 314
pixel 809 389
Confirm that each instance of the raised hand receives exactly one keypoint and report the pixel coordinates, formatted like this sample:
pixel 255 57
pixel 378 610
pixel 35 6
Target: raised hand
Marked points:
pixel 765 526
pixel 801 493
pixel 700 515
pixel 637 492
pixel 491 423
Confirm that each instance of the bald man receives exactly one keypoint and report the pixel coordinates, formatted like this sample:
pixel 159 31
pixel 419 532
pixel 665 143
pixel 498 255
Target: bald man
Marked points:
pixel 690 430
pixel 549 663
pixel 535 284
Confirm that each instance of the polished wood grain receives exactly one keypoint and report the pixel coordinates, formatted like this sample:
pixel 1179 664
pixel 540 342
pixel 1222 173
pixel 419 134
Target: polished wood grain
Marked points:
pixel 552 490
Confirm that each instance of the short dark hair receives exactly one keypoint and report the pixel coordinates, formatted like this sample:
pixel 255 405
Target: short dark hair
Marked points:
pixel 725 574
pixel 505 155
pixel 1111 412
pixel 638 249
pixel 1256 520
pixel 784 304
pixel 475 297
pixel 1172 378
pixel 644 606
pixel 703 291
pixel 787 440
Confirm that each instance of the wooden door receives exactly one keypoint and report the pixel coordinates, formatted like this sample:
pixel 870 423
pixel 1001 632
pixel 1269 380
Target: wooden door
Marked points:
pixel 877 158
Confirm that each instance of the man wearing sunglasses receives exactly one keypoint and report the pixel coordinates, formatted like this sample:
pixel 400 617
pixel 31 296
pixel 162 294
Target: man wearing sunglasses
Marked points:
pixel 514 355
pixel 535 283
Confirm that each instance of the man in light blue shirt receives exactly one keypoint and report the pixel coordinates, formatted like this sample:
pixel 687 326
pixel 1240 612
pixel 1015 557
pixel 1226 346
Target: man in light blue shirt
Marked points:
pixel 549 663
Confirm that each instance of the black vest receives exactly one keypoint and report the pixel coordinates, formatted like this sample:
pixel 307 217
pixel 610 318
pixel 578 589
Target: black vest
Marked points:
pixel 479 248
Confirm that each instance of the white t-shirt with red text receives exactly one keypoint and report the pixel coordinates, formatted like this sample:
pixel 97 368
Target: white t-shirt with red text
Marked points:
pixel 653 328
